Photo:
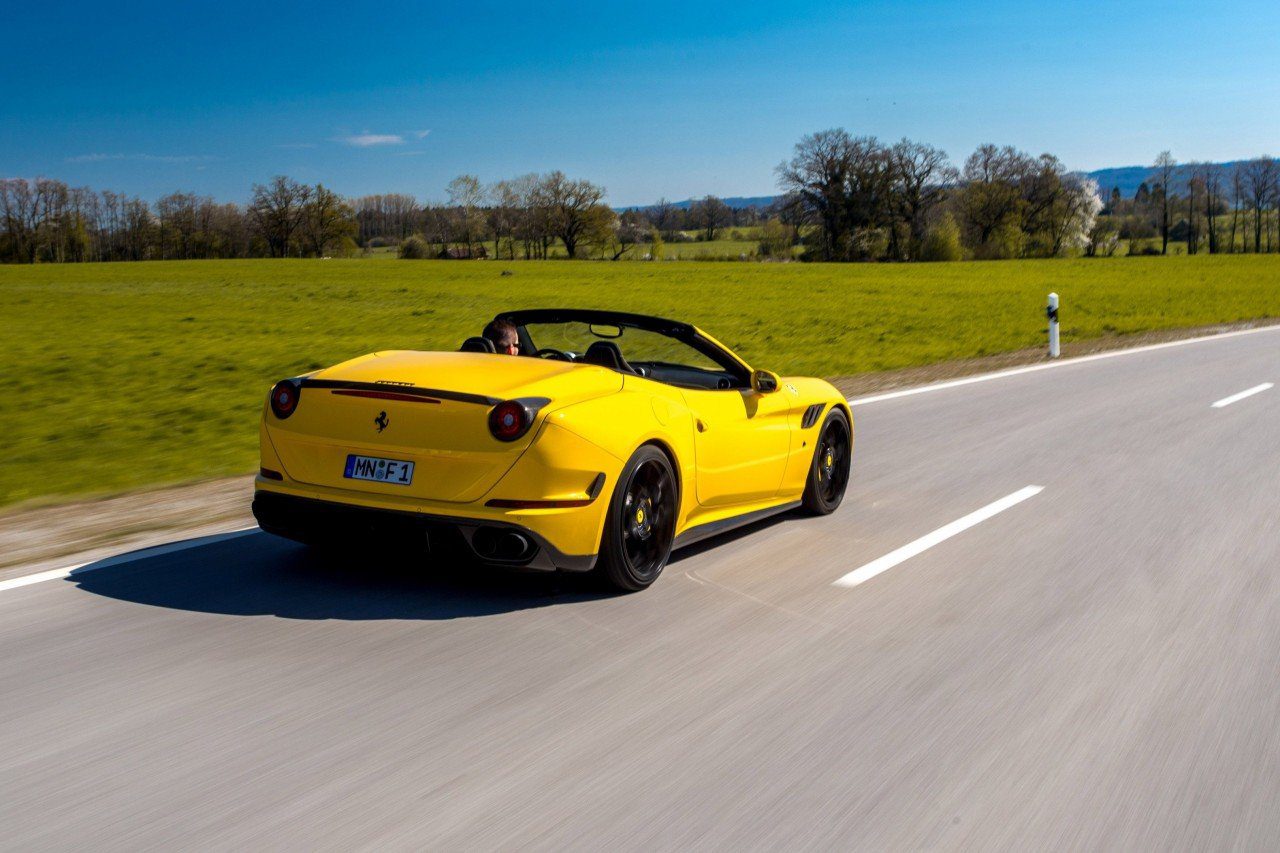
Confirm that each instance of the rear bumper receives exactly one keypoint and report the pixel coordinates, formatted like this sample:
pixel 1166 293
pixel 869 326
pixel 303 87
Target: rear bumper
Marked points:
pixel 316 521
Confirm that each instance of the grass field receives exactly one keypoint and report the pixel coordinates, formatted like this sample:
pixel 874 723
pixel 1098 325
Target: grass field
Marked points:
pixel 126 375
pixel 718 250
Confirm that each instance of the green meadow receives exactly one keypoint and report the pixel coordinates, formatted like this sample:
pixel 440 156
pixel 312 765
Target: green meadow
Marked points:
pixel 135 374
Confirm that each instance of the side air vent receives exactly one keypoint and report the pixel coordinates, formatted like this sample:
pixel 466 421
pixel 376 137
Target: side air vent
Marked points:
pixel 811 415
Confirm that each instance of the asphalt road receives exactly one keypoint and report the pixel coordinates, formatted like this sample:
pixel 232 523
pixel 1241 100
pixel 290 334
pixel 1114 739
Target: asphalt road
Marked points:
pixel 1097 666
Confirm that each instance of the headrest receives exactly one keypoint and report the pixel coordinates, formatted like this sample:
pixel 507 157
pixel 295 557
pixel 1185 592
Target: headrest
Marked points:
pixel 606 354
pixel 477 344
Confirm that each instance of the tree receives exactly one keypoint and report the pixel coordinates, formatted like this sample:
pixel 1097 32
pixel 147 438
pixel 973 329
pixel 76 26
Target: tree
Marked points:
pixel 1194 187
pixel 20 203
pixel 176 216
pixel 776 239
pixel 277 210
pixel 710 213
pixel 1209 176
pixel 991 202
pixel 1260 178
pixel 663 216
pixel 1163 190
pixel 605 234
pixel 1071 217
pixel 845 182
pixel 1104 238
pixel 414 248
pixel 921 174
pixel 570 203
pixel 386 218
pixel 942 241
pixel 816 175
pixel 656 245
pixel 1237 202
pixel 504 202
pixel 326 221
pixel 466 194
pixel 627 234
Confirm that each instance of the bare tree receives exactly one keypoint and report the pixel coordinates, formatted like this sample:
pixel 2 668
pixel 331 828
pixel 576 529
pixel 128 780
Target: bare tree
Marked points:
pixel 1162 175
pixel 663 217
pixel 391 217
pixel 504 200
pixel 1209 176
pixel 327 219
pixel 710 213
pixel 921 175
pixel 817 174
pixel 570 203
pixel 532 217
pixel 1237 204
pixel 466 194
pixel 277 210
pixel 1260 180
pixel 21 204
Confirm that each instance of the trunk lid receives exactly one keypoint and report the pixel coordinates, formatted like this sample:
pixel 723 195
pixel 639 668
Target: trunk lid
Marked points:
pixel 429 408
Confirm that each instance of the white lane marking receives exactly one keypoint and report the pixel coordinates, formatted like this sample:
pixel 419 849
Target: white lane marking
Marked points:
pixel 1065 362
pixel 942 534
pixel 1236 398
pixel 118 559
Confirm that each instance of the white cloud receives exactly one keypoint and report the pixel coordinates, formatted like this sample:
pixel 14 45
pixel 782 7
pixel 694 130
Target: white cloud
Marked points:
pixel 368 140
pixel 146 158
pixel 421 134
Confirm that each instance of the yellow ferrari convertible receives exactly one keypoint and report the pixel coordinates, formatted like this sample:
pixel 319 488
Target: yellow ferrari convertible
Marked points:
pixel 607 441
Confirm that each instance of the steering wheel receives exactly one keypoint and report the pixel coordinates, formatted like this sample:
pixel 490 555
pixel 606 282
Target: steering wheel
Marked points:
pixel 554 354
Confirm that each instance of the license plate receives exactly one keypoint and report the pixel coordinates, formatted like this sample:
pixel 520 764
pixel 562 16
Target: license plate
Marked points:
pixel 378 470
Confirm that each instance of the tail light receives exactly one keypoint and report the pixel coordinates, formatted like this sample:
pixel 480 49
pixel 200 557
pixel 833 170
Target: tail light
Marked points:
pixel 511 419
pixel 284 398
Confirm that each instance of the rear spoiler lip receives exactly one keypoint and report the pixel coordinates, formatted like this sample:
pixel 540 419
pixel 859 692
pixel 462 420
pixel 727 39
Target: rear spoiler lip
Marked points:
pixel 397 388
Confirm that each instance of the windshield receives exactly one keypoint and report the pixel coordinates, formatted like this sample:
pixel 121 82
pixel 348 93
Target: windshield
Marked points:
pixel 654 355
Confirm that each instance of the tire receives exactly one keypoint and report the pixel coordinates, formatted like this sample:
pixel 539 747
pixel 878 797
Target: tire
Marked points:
pixel 640 525
pixel 829 470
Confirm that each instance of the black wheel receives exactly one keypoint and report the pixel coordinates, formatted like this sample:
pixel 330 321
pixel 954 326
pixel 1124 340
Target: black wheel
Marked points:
pixel 641 523
pixel 829 471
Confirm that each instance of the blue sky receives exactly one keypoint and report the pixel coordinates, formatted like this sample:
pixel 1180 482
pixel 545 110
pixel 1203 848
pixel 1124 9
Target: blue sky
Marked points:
pixel 648 99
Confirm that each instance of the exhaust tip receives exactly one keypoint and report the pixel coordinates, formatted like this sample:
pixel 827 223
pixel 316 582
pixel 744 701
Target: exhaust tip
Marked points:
pixel 502 545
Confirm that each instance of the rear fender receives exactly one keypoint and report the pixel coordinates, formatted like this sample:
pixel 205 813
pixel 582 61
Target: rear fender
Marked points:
pixel 561 466
pixel 621 423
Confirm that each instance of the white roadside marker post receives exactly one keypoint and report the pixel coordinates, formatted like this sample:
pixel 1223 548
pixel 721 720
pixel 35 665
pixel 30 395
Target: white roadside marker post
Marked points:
pixel 1052 312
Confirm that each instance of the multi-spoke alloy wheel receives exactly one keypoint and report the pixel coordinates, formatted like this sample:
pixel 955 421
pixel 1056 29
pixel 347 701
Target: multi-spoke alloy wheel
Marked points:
pixel 641 522
pixel 829 473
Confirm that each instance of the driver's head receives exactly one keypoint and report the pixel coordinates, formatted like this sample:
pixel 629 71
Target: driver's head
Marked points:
pixel 502 334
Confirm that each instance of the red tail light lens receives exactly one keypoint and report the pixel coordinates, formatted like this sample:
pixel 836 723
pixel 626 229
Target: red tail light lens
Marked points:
pixel 284 398
pixel 509 420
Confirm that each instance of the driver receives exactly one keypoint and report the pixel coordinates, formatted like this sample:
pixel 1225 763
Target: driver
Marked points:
pixel 502 334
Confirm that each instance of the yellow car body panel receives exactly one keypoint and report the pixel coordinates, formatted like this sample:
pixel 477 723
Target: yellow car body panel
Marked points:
pixel 735 452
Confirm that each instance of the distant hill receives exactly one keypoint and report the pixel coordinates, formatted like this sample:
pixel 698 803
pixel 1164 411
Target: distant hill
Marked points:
pixel 737 202
pixel 1126 178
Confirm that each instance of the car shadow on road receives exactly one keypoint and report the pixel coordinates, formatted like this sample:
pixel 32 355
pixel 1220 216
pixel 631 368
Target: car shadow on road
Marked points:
pixel 722 539
pixel 262 575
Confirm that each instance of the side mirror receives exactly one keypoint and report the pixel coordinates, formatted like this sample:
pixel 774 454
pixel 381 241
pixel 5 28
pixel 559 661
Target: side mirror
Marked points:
pixel 764 382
